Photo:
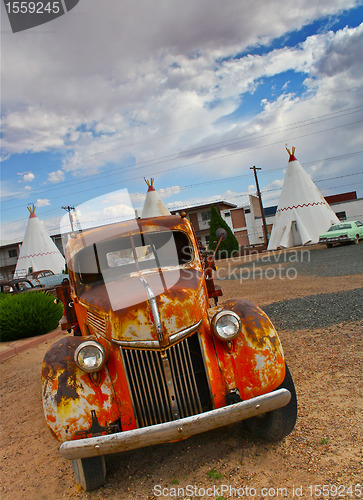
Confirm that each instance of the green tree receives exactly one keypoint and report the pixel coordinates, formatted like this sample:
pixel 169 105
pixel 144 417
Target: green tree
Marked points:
pixel 230 244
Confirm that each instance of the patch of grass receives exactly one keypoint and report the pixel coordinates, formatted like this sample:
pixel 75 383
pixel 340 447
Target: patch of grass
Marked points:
pixel 324 441
pixel 28 314
pixel 213 474
pixel 175 481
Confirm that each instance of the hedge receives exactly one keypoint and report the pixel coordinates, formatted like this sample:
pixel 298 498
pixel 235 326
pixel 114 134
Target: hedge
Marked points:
pixel 27 315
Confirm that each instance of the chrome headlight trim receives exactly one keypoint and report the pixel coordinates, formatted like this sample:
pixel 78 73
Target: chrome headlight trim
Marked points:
pixel 235 322
pixel 96 356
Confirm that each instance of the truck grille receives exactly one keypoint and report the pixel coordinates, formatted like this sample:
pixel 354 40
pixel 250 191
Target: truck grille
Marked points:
pixel 97 323
pixel 149 385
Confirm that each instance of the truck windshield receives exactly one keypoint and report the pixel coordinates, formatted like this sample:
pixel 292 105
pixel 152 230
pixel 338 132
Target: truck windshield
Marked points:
pixel 127 254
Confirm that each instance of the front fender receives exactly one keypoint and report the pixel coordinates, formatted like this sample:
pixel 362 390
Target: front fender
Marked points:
pixel 75 401
pixel 254 363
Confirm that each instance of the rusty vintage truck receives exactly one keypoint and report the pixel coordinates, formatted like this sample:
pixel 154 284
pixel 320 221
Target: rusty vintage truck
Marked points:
pixel 150 360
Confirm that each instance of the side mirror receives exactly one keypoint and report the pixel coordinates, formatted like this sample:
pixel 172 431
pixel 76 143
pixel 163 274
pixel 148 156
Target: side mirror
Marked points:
pixel 221 233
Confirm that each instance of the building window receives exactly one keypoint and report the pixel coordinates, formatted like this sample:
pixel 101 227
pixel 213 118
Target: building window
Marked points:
pixel 13 253
pixel 206 240
pixel 227 214
pixel 341 215
pixel 247 210
pixel 205 216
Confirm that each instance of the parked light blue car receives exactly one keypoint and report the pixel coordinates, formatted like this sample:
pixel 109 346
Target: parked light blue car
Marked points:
pixel 46 278
pixel 344 232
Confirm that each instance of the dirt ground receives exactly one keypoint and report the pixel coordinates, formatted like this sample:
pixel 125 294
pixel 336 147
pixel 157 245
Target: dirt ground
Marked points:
pixel 324 449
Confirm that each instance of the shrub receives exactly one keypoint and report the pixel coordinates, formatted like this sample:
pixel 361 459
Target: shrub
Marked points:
pixel 28 314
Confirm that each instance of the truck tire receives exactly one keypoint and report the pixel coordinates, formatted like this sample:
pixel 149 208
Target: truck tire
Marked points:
pixel 276 424
pixel 90 472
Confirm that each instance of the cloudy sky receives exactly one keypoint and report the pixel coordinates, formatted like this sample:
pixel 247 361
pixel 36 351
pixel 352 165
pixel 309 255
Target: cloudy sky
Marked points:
pixel 190 92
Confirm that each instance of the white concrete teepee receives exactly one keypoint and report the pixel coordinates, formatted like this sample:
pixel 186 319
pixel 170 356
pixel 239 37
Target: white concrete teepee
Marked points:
pixel 153 206
pixel 38 250
pixel 302 213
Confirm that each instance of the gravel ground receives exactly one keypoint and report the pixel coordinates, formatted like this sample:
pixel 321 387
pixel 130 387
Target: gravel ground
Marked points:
pixel 316 311
pixel 311 311
pixel 318 261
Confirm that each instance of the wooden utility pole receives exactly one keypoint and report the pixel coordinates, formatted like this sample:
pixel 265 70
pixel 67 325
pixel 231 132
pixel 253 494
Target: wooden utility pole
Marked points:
pixel 69 209
pixel 264 226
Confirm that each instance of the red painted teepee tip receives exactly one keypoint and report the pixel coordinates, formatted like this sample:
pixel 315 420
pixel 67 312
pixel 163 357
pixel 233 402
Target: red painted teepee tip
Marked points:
pixel 292 154
pixel 32 211
pixel 150 185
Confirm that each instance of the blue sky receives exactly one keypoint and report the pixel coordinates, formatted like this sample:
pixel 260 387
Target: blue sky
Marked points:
pixel 191 93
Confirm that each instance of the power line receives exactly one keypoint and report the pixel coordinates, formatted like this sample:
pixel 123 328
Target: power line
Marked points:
pixel 225 119
pixel 210 148
pixel 320 180
pixel 246 193
pixel 268 171
pixel 291 126
pixel 207 160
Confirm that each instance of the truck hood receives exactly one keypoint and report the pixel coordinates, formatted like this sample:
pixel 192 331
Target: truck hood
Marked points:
pixel 125 307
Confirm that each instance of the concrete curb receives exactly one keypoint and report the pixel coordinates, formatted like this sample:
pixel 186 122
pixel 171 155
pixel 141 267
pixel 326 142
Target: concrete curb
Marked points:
pixel 10 349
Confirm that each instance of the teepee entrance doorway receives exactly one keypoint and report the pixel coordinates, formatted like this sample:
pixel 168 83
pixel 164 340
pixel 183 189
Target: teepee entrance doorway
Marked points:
pixel 296 238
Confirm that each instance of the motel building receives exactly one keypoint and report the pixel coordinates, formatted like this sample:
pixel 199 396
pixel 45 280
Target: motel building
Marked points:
pixel 246 221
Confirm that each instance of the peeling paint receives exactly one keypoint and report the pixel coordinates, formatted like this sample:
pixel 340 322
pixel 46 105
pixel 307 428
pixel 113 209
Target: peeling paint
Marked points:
pixel 69 394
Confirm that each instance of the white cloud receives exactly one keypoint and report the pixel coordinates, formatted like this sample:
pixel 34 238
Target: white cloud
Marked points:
pixel 238 198
pixel 271 192
pixel 120 211
pixel 56 176
pixel 170 191
pixel 42 202
pixel 138 199
pixel 10 233
pixel 27 176
pixel 105 209
pixel 163 81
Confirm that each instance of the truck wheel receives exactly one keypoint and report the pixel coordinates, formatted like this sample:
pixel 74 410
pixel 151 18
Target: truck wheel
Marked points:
pixel 329 245
pixel 276 424
pixel 90 472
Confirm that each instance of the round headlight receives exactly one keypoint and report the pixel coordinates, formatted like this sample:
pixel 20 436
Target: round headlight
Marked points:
pixel 226 325
pixel 90 356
